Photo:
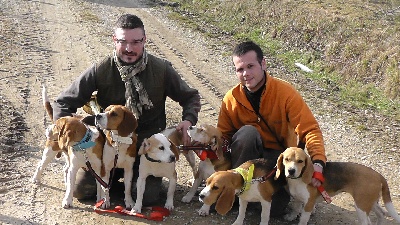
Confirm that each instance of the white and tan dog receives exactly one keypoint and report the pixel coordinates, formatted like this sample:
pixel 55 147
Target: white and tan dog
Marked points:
pixel 363 183
pixel 208 136
pixel 253 181
pixel 78 142
pixel 157 157
pixel 120 125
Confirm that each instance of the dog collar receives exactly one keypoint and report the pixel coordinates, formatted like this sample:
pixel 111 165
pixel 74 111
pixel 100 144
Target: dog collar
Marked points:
pixel 119 139
pixel 247 177
pixel 151 159
pixel 86 142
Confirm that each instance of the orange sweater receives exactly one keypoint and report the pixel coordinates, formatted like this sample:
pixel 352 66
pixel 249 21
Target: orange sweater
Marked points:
pixel 282 107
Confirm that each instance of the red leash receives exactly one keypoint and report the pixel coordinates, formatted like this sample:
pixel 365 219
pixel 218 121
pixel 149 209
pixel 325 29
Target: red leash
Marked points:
pixel 321 189
pixel 157 213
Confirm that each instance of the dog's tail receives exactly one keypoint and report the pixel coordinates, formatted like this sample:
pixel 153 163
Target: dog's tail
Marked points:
pixel 46 103
pixel 388 200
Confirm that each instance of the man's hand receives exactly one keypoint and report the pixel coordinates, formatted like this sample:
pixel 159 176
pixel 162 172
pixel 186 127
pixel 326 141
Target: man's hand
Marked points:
pixel 183 127
pixel 315 181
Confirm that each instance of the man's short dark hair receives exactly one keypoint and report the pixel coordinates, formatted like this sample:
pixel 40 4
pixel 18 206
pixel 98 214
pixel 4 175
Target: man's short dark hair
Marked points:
pixel 244 47
pixel 129 21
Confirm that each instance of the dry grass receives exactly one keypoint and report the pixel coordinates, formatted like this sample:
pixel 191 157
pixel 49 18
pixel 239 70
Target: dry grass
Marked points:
pixel 355 44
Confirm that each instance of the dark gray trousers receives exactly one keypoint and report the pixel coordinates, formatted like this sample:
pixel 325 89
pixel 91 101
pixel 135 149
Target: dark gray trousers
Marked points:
pixel 247 145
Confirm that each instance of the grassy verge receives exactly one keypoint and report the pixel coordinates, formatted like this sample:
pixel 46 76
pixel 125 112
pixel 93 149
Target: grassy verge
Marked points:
pixel 352 45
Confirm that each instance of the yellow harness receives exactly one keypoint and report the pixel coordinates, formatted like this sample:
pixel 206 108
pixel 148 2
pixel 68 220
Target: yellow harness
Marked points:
pixel 247 177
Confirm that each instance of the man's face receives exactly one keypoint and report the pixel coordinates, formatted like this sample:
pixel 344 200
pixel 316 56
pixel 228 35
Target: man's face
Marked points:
pixel 129 44
pixel 249 71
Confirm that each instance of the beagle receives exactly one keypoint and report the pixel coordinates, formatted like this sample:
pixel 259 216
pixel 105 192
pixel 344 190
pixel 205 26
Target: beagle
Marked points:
pixel 252 182
pixel 363 183
pixel 78 142
pixel 157 157
pixel 120 125
pixel 175 137
pixel 209 136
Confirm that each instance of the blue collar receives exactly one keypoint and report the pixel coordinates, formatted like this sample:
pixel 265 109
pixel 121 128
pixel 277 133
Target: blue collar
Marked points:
pixel 85 143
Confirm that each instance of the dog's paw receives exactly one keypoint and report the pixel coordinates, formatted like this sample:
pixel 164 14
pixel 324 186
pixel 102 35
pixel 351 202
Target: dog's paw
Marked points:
pixel 136 209
pixel 66 204
pixel 169 206
pixel 35 180
pixel 187 198
pixel 290 216
pixel 129 204
pixel 204 210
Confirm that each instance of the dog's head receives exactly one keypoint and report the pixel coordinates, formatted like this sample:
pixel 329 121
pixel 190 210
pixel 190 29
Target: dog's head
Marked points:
pixel 220 189
pixel 159 148
pixel 295 163
pixel 119 118
pixel 68 130
pixel 207 135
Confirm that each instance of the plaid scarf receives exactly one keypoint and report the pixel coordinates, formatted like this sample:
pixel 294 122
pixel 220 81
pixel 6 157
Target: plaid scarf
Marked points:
pixel 138 98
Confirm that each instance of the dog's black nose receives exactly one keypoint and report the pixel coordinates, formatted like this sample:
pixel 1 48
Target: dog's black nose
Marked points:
pixel 172 158
pixel 201 196
pixel 291 171
pixel 191 127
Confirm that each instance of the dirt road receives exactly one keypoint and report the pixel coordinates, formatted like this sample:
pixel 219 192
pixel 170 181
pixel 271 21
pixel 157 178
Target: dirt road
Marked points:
pixel 52 41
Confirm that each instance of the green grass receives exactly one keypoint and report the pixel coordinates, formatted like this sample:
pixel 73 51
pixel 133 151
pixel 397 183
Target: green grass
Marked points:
pixel 353 46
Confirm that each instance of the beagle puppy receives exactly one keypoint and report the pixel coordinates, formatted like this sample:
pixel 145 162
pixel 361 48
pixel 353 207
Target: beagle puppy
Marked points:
pixel 253 181
pixel 119 125
pixel 157 157
pixel 363 183
pixel 209 136
pixel 78 142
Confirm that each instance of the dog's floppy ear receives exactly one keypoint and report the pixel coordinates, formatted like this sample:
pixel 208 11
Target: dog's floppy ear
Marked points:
pixel 308 169
pixel 225 201
pixel 143 148
pixel 128 124
pixel 279 166
pixel 175 150
pixel 63 138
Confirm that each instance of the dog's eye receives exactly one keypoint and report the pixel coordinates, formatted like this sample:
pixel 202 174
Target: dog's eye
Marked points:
pixel 214 188
pixel 161 148
pixel 300 161
pixel 113 114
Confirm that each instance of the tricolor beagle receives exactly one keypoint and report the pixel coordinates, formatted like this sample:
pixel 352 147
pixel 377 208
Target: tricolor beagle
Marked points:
pixel 157 157
pixel 253 181
pixel 120 125
pixel 363 183
pixel 78 142
pixel 208 136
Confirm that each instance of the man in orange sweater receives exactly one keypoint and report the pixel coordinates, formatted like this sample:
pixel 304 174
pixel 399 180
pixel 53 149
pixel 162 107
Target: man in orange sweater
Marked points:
pixel 262 115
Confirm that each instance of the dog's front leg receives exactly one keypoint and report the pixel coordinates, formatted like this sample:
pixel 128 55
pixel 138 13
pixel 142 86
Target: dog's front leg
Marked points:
pixel 140 186
pixel 104 192
pixel 265 212
pixel 188 197
pixel 306 213
pixel 242 212
pixel 169 204
pixel 128 175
